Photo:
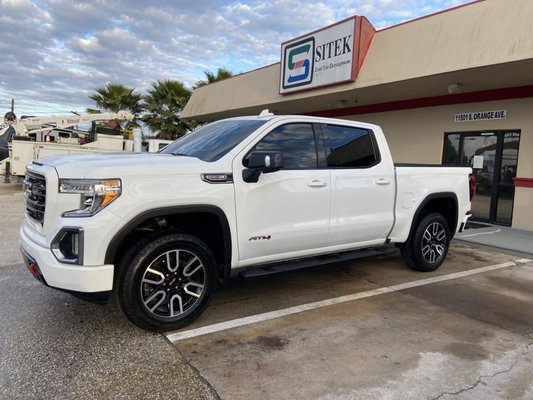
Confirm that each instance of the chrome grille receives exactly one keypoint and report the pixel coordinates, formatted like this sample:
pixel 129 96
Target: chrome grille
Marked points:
pixel 35 195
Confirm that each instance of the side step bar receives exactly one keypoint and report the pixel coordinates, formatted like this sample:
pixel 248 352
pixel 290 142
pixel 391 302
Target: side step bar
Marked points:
pixel 286 266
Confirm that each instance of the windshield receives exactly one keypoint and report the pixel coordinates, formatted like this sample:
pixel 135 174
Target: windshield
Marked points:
pixel 213 141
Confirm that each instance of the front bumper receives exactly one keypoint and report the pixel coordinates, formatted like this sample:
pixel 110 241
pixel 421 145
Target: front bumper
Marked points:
pixel 33 267
pixel 76 278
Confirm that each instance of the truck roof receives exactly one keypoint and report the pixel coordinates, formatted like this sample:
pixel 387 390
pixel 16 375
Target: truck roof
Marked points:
pixel 267 116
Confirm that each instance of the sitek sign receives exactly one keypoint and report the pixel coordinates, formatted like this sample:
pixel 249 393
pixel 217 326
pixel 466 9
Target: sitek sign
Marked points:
pixel 321 58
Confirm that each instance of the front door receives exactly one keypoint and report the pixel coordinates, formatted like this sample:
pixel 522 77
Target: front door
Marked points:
pixel 493 156
pixel 286 213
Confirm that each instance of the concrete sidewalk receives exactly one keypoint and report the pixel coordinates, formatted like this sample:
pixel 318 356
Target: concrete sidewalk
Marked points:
pixel 503 239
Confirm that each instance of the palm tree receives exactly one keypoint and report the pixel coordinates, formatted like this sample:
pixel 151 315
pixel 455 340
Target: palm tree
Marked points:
pixel 222 73
pixel 116 97
pixel 163 105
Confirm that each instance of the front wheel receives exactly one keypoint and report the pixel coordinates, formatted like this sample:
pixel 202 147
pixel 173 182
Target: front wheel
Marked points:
pixel 167 282
pixel 428 244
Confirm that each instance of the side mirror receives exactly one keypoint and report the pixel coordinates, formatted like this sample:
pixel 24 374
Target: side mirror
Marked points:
pixel 262 162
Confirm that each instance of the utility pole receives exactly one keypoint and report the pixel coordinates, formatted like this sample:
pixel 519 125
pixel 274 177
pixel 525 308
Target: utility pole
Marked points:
pixel 12 105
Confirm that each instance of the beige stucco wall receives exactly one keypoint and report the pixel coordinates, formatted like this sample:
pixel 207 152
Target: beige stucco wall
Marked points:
pixel 480 34
pixel 417 136
pixel 523 215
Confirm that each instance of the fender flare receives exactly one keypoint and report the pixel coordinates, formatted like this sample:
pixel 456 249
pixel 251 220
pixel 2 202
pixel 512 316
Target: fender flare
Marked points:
pixel 423 204
pixel 175 210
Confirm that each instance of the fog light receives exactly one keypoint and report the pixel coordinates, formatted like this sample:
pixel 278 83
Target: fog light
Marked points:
pixel 67 246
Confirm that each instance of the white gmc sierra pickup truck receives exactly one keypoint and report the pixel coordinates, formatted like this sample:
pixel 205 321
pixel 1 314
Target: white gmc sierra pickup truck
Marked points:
pixel 160 230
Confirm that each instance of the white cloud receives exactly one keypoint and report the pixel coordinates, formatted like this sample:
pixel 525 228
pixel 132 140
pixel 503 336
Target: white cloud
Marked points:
pixel 54 53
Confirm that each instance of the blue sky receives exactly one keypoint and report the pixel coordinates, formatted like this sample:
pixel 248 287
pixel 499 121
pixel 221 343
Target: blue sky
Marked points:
pixel 54 53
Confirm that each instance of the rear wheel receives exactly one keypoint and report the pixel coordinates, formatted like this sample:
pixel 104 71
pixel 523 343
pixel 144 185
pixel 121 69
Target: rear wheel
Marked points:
pixel 167 282
pixel 428 244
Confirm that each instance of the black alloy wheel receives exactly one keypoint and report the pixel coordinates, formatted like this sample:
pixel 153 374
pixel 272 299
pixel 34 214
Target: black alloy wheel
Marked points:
pixel 434 243
pixel 168 282
pixel 173 283
pixel 427 247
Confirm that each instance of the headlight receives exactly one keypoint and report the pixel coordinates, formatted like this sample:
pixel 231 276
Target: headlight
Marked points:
pixel 96 194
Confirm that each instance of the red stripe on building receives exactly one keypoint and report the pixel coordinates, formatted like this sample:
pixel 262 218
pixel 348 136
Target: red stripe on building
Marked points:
pixel 523 182
pixel 461 98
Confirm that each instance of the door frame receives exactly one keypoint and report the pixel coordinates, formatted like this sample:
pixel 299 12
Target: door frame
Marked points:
pixel 494 194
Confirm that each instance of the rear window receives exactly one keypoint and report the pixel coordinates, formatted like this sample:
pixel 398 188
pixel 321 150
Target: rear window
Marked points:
pixel 349 147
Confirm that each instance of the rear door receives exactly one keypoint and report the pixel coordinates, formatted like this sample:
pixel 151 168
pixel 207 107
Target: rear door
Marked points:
pixel 362 186
pixel 286 213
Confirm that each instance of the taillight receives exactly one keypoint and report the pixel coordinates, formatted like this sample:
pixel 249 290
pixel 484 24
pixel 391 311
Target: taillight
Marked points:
pixel 472 184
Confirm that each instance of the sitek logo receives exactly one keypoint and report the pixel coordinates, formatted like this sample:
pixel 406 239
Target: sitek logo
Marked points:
pixel 298 63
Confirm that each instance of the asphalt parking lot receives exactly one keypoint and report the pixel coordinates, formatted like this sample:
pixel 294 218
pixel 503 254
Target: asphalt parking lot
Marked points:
pixel 55 346
pixel 367 330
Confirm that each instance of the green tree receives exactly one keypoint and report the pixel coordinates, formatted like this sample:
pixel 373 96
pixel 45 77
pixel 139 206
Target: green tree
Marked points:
pixel 163 105
pixel 115 97
pixel 210 77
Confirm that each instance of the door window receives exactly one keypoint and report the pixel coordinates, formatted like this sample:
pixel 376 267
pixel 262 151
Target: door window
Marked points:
pixel 296 141
pixel 479 152
pixel 348 147
pixel 508 166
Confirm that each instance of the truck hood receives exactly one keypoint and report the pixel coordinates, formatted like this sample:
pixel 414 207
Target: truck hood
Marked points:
pixel 116 165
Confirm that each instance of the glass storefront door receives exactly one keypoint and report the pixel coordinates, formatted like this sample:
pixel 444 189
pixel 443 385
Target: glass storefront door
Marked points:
pixel 493 156
pixel 507 171
pixel 480 154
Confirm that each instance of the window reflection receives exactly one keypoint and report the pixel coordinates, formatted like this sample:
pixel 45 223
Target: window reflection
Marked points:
pixel 296 141
pixel 348 147
pixel 211 142
pixel 451 149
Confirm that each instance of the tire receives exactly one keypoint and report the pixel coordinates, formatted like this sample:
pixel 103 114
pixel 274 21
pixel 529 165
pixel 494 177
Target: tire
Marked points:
pixel 166 282
pixel 428 244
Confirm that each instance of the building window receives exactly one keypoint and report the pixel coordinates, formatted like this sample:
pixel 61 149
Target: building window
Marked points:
pixel 451 149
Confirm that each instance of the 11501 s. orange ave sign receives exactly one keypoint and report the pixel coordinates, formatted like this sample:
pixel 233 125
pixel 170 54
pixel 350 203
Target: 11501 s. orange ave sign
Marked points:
pixel 480 116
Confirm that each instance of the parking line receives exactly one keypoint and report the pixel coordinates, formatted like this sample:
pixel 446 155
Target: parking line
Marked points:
pixel 253 319
pixel 478 234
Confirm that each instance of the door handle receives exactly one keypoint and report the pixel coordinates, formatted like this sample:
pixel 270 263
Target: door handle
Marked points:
pixel 316 183
pixel 382 181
